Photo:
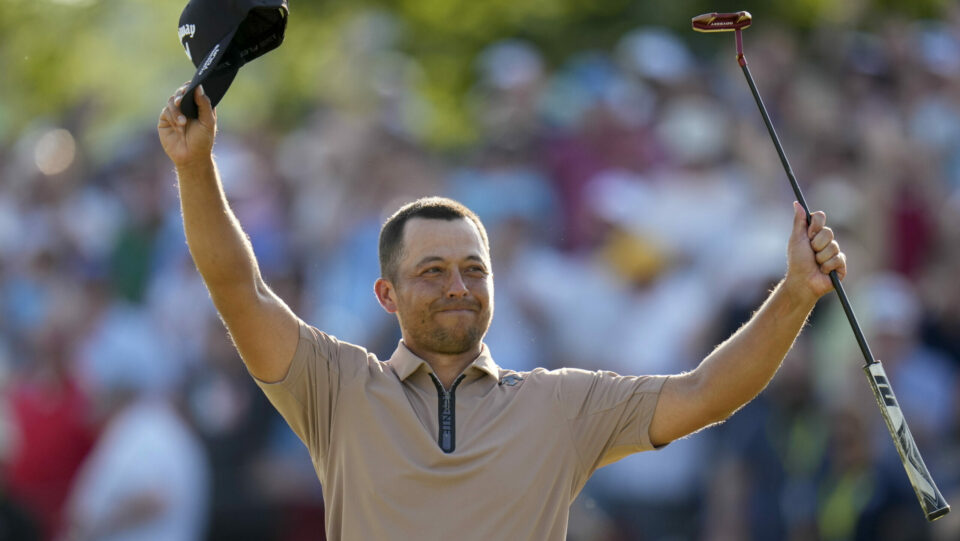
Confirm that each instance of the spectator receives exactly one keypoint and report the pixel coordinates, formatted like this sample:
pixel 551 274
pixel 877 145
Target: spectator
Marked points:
pixel 147 477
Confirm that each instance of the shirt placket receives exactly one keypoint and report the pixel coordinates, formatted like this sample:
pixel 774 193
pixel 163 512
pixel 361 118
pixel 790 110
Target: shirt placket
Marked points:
pixel 446 413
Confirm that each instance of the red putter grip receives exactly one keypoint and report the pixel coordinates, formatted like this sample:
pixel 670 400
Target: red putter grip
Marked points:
pixel 722 22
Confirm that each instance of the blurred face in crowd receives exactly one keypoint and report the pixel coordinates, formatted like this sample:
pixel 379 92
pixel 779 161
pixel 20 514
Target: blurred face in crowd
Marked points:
pixel 443 289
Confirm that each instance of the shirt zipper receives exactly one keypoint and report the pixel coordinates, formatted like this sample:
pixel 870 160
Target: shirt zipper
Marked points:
pixel 446 411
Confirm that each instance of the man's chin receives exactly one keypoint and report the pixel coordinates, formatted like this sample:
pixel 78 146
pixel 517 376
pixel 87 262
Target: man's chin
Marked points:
pixel 455 342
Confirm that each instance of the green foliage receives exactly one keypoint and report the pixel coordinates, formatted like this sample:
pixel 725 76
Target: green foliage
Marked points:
pixel 117 61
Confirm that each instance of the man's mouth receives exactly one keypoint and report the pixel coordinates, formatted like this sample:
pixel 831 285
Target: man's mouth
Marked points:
pixel 459 309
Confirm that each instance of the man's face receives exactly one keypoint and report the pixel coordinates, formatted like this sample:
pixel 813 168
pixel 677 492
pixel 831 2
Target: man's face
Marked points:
pixel 443 291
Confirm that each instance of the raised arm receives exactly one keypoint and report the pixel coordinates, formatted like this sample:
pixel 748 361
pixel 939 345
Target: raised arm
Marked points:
pixel 737 370
pixel 263 328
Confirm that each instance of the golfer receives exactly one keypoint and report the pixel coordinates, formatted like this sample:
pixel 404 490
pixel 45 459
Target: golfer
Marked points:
pixel 439 442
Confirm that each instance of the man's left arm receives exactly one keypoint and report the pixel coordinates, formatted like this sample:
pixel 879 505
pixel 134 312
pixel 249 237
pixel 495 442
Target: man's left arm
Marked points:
pixel 737 370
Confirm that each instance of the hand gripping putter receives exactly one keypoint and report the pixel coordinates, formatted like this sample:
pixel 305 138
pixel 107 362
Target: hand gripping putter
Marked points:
pixel 933 504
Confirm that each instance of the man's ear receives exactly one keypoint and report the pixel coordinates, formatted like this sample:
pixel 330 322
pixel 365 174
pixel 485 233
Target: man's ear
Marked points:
pixel 386 294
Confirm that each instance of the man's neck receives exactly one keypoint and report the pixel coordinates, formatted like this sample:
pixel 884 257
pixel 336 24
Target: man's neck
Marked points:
pixel 447 366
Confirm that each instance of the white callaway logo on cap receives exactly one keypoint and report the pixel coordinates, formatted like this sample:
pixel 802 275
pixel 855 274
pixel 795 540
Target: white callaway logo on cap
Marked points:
pixel 187 30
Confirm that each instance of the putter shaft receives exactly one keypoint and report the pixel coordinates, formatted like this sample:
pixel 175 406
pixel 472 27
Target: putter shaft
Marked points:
pixel 847 309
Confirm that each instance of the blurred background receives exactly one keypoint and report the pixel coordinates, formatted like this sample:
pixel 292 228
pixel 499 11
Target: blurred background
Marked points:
pixel 637 213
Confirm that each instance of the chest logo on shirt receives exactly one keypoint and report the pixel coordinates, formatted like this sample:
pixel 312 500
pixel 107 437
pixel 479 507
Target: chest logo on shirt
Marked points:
pixel 511 380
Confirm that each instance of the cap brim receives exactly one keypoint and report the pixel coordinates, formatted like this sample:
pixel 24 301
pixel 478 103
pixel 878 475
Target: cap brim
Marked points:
pixel 214 77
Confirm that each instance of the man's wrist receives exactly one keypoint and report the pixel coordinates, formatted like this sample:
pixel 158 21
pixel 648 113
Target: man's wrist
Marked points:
pixel 194 167
pixel 799 293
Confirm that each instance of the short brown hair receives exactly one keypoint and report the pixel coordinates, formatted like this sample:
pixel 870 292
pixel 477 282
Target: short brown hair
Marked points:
pixel 433 208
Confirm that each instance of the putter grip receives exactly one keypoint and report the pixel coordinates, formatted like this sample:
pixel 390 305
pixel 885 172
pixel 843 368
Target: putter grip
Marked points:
pixel 931 500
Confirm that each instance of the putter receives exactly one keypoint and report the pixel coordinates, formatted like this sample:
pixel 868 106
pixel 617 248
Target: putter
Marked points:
pixel 931 500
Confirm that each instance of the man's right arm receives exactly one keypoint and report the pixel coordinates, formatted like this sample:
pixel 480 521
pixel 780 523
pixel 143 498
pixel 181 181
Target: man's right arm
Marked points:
pixel 264 330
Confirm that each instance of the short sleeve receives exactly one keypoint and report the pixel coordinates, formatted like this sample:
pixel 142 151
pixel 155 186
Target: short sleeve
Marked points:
pixel 608 414
pixel 307 397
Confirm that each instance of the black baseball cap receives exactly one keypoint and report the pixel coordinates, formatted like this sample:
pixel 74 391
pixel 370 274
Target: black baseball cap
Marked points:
pixel 220 36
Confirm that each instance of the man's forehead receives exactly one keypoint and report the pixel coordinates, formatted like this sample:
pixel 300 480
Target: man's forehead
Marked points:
pixel 458 238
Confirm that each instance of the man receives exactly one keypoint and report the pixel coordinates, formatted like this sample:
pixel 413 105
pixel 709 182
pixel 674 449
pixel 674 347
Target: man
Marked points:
pixel 439 441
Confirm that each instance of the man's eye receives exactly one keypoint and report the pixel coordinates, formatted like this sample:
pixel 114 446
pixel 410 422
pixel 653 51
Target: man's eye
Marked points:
pixel 477 269
pixel 432 270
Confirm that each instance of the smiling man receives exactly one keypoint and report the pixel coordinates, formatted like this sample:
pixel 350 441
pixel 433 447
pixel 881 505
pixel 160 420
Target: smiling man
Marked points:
pixel 434 263
pixel 438 441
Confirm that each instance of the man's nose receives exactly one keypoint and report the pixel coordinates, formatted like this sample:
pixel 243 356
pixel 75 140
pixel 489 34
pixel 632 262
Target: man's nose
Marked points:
pixel 456 288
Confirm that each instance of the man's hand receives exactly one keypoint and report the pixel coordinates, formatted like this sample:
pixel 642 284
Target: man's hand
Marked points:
pixel 187 141
pixel 811 254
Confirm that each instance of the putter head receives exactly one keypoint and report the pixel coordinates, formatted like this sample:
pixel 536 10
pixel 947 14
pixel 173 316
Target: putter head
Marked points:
pixel 722 22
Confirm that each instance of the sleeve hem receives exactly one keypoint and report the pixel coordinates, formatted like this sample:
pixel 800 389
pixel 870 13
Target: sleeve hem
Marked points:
pixel 646 442
pixel 297 363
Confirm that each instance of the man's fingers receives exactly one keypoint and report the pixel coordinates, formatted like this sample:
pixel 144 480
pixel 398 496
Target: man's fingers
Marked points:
pixel 205 111
pixel 173 116
pixel 828 253
pixel 177 96
pixel 836 263
pixel 823 238
pixel 167 114
pixel 164 121
pixel 169 117
pixel 817 220
pixel 799 219
pixel 173 105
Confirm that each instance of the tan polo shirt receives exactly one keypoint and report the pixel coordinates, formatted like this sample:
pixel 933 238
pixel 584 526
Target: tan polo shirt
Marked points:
pixel 501 455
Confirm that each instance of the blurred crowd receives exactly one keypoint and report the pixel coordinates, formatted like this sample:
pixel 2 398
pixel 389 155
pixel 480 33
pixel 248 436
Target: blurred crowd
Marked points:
pixel 637 213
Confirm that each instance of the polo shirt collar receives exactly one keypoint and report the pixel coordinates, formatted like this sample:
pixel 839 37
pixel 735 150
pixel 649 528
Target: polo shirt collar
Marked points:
pixel 405 362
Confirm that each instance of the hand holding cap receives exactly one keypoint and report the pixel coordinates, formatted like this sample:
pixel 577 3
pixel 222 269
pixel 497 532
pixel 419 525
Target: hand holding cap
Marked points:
pixel 220 36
